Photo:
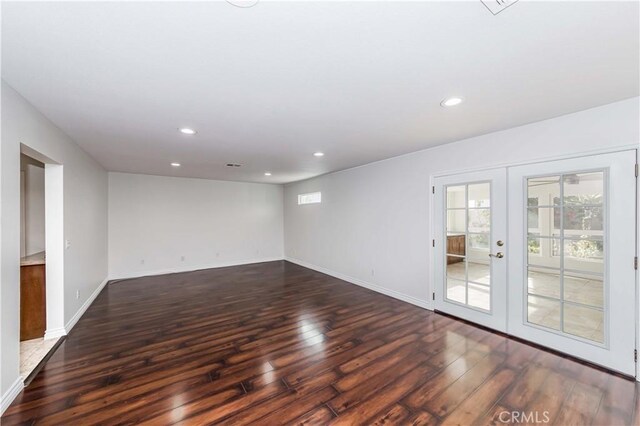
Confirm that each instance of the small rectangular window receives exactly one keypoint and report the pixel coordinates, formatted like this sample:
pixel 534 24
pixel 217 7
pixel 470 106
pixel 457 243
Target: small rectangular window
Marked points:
pixel 310 198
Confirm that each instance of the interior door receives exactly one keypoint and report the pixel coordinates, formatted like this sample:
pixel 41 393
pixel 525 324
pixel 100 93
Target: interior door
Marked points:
pixel 470 237
pixel 571 257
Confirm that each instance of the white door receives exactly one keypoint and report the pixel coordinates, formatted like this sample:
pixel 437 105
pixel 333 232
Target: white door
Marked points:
pixel 470 233
pixel 571 257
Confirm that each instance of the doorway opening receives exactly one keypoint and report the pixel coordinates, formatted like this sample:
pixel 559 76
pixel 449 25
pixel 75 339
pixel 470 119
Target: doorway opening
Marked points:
pixel 41 260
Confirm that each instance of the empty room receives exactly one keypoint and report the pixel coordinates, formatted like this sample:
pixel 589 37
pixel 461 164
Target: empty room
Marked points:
pixel 259 212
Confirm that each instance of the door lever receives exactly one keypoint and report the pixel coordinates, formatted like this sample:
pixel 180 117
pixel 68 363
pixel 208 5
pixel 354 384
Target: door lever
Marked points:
pixel 499 255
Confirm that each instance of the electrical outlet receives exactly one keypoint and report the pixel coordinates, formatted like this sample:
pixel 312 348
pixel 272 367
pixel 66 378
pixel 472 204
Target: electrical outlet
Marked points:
pixel 77 294
pixel 142 261
pixel 182 258
pixel 373 272
pixel 67 244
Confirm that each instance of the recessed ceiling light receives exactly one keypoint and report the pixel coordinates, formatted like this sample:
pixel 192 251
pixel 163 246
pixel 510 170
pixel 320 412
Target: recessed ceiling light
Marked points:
pixel 175 164
pixel 318 154
pixel 267 173
pixel 187 131
pixel 453 101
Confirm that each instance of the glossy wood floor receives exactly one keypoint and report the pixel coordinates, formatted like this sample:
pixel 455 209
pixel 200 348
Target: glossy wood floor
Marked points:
pixel 275 343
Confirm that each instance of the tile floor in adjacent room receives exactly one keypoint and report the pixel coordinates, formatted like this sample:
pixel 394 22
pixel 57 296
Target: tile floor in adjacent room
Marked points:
pixel 583 298
pixel 32 352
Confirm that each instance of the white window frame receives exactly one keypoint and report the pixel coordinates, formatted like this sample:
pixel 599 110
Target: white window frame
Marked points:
pixel 310 198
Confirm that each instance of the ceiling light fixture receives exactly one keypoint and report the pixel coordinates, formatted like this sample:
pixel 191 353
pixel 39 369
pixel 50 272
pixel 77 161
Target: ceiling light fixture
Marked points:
pixel 452 101
pixel 187 131
pixel 175 164
pixel 318 154
pixel 267 173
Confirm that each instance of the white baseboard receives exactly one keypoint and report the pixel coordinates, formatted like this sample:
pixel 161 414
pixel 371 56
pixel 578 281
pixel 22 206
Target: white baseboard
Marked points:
pixel 139 274
pixel 425 304
pixel 84 307
pixel 55 333
pixel 18 385
pixel 10 394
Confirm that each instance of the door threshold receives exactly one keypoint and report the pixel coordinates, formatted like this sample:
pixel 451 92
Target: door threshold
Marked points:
pixel 43 361
pixel 541 347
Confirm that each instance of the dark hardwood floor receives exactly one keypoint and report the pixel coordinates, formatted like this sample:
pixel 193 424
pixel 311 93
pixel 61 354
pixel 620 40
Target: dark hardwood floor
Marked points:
pixel 275 343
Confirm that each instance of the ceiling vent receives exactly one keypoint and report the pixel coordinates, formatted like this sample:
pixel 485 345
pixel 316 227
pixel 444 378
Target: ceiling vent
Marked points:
pixel 233 165
pixel 497 6
pixel 243 4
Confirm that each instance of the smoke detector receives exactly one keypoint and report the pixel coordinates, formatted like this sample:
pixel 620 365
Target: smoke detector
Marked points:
pixel 497 6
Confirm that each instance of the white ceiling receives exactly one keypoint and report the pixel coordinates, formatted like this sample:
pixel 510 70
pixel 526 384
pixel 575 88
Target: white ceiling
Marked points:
pixel 268 86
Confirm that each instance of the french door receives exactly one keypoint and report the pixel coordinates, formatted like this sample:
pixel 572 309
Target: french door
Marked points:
pixel 562 275
pixel 471 233
pixel 571 259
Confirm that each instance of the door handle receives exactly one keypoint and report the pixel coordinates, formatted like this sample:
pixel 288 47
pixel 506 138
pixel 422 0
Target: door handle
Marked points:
pixel 499 255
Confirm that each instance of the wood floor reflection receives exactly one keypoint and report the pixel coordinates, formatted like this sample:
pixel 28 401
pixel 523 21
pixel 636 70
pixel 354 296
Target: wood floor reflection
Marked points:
pixel 275 343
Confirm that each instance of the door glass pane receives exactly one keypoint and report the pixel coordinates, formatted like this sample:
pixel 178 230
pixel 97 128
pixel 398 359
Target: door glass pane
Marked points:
pixel 544 282
pixel 584 322
pixel 479 220
pixel 544 312
pixel 456 268
pixel 479 296
pixel 544 252
pixel 456 290
pixel 566 252
pixel 456 197
pixel 468 239
pixel 583 218
pixel 479 242
pixel 584 255
pixel 540 221
pixel 456 247
pixel 480 195
pixel 456 222
pixel 584 289
pixel 546 190
pixel 583 188
pixel 480 272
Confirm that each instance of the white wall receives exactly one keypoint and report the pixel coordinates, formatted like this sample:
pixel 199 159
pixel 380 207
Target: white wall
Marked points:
pixel 84 221
pixel 154 221
pixel 33 200
pixel 373 225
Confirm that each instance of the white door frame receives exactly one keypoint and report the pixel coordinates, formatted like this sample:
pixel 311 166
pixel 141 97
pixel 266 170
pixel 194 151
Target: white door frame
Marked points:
pixel 431 286
pixel 54 242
